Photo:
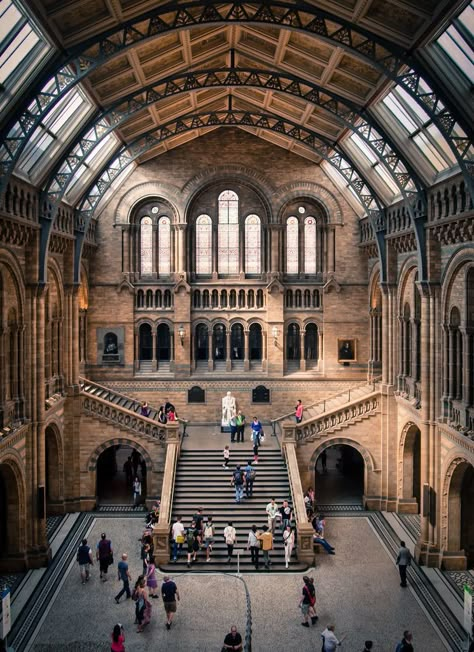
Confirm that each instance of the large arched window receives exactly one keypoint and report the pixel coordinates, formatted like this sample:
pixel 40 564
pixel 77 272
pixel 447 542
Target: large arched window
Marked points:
pixel 253 256
pixel 228 233
pixel 164 246
pixel 146 246
pixel 204 245
pixel 292 258
pixel 310 260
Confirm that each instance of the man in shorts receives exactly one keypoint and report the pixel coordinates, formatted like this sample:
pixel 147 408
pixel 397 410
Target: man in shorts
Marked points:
pixel 169 593
pixel 209 533
pixel 84 558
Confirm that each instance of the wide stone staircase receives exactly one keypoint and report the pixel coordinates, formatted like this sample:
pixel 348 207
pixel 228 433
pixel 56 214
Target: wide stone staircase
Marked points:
pixel 201 481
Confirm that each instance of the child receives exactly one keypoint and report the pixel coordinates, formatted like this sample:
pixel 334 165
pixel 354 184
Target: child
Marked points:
pixel 226 457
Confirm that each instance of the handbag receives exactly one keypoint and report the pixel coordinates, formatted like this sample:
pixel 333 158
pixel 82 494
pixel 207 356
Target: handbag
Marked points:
pixel 180 538
pixel 111 559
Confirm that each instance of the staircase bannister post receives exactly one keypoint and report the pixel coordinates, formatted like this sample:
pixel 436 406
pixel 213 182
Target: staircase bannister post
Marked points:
pixel 161 531
pixel 304 529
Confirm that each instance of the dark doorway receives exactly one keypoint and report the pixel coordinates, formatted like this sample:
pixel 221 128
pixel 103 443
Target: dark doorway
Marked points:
pixel 163 343
pixel 293 342
pixel 311 343
pixel 146 342
pixel 9 516
pixel 342 481
pixel 202 342
pixel 467 520
pixel 255 342
pixel 114 482
pixel 219 343
pixel 237 342
pixel 53 474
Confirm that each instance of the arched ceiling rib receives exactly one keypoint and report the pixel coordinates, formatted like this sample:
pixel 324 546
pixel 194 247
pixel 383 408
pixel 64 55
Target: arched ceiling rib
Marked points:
pixel 345 53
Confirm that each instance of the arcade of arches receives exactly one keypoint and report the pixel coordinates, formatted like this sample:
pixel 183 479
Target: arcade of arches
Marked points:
pixel 290 251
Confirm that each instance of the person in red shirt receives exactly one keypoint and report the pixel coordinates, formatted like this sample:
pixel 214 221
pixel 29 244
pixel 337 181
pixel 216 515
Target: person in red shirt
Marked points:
pixel 118 639
pixel 299 411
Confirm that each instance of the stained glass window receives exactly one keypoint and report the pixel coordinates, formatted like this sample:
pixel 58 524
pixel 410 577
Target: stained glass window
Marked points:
pixel 253 257
pixel 164 246
pixel 292 245
pixel 204 245
pixel 310 245
pixel 228 233
pixel 146 246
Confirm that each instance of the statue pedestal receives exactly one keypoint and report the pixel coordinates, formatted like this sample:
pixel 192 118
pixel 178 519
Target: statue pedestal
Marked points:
pixel 225 428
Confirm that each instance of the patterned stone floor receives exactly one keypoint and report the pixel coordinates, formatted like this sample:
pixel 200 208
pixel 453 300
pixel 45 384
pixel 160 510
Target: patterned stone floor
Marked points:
pixel 358 589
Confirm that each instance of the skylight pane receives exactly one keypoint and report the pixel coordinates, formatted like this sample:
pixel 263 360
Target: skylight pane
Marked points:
pixel 430 151
pixel 413 104
pixel 400 112
pixel 19 48
pixel 459 51
pixel 369 154
pixel 9 18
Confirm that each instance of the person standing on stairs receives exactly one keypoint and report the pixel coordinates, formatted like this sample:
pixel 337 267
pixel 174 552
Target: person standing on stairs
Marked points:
pixel 209 537
pixel 266 538
pixel 299 411
pixel 253 544
pixel 238 483
pixel 250 475
pixel 193 542
pixel 177 535
pixel 230 536
pixel 272 515
pixel 226 453
pixel 289 542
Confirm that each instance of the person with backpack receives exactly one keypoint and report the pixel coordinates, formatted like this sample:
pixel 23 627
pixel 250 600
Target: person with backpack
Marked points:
pixel 193 542
pixel 177 535
pixel 250 475
pixel 85 561
pixel 208 537
pixel 308 601
pixel 405 644
pixel 198 519
pixel 238 483
pixel 230 535
pixel 104 555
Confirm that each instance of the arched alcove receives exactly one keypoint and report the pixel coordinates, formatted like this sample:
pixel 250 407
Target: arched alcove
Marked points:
pixel 53 472
pixel 116 468
pixel 460 520
pixel 12 509
pixel 340 476
pixel 411 471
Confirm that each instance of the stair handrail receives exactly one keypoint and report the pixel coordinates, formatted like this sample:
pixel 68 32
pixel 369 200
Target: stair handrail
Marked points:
pixel 364 383
pixel 137 403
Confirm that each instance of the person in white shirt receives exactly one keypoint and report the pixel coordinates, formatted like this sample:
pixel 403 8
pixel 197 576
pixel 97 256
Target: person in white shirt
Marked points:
pixel 177 534
pixel 272 514
pixel 330 642
pixel 230 536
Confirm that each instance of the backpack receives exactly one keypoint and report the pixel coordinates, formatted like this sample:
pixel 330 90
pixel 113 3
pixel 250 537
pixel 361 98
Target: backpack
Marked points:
pixel 190 537
pixel 238 476
pixel 399 647
pixel 208 531
pixel 251 475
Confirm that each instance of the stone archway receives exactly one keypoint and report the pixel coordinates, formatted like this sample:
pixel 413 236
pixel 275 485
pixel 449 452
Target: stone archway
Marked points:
pixel 459 541
pixel 54 471
pixel 409 492
pixel 341 473
pixel 12 518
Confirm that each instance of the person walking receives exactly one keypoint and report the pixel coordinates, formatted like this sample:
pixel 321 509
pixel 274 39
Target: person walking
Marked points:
pixel 123 574
pixel 144 409
pixel 308 601
pixel 117 639
pixel 233 428
pixel 240 421
pixel 406 644
pixel 289 543
pixel 193 541
pixel 104 555
pixel 170 594
pixel 330 642
pixel 85 560
pixel 299 411
pixel 177 536
pixel 209 533
pixel 403 560
pixel 226 453
pixel 233 640
pixel 272 514
pixel 151 583
pixel 238 483
pixel 266 537
pixel 256 443
pixel 143 605
pixel 230 536
pixel 137 491
pixel 286 515
pixel 368 645
pixel 250 475
pixel 253 544
pixel 198 519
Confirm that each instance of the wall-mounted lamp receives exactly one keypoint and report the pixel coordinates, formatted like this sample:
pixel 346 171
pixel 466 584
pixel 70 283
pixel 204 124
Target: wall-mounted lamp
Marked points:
pixel 275 334
pixel 181 333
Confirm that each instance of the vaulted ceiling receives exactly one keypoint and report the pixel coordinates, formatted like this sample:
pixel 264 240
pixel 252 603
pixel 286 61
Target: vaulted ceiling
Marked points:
pixel 320 61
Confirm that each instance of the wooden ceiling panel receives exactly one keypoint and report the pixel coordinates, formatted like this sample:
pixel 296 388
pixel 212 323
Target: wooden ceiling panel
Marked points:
pixel 206 46
pixel 359 69
pixel 113 68
pixel 249 41
pixel 349 86
pixel 137 126
pixel 309 68
pixel 115 87
pixel 311 47
pixel 173 107
pixel 163 65
pixel 289 107
pixel 251 95
pixel 157 47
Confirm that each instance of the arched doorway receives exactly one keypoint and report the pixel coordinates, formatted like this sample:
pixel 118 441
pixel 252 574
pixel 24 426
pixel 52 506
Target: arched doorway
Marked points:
pixel 145 342
pixel 237 344
pixel 255 344
pixel 339 472
pixel 219 344
pixel 311 346
pixel 116 469
pixel 10 514
pixel 163 344
pixel 460 521
pixel 201 344
pixel 53 473
pixel 411 471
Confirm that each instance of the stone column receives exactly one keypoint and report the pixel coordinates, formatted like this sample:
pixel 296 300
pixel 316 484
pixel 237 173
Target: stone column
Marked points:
pixel 180 262
pixel 210 358
pixel 154 336
pixel 228 359
pixel 246 349
pixel 126 250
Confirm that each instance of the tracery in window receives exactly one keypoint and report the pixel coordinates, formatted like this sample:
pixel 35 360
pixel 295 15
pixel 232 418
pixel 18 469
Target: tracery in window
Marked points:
pixel 164 246
pixel 253 259
pixel 292 259
pixel 310 245
pixel 204 245
pixel 146 246
pixel 228 233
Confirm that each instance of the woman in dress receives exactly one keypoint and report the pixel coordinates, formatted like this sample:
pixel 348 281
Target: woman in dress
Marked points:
pixel 289 541
pixel 118 639
pixel 151 582
pixel 143 605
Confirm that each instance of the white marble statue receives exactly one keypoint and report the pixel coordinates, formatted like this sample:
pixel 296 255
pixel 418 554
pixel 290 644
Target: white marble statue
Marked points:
pixel 229 409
